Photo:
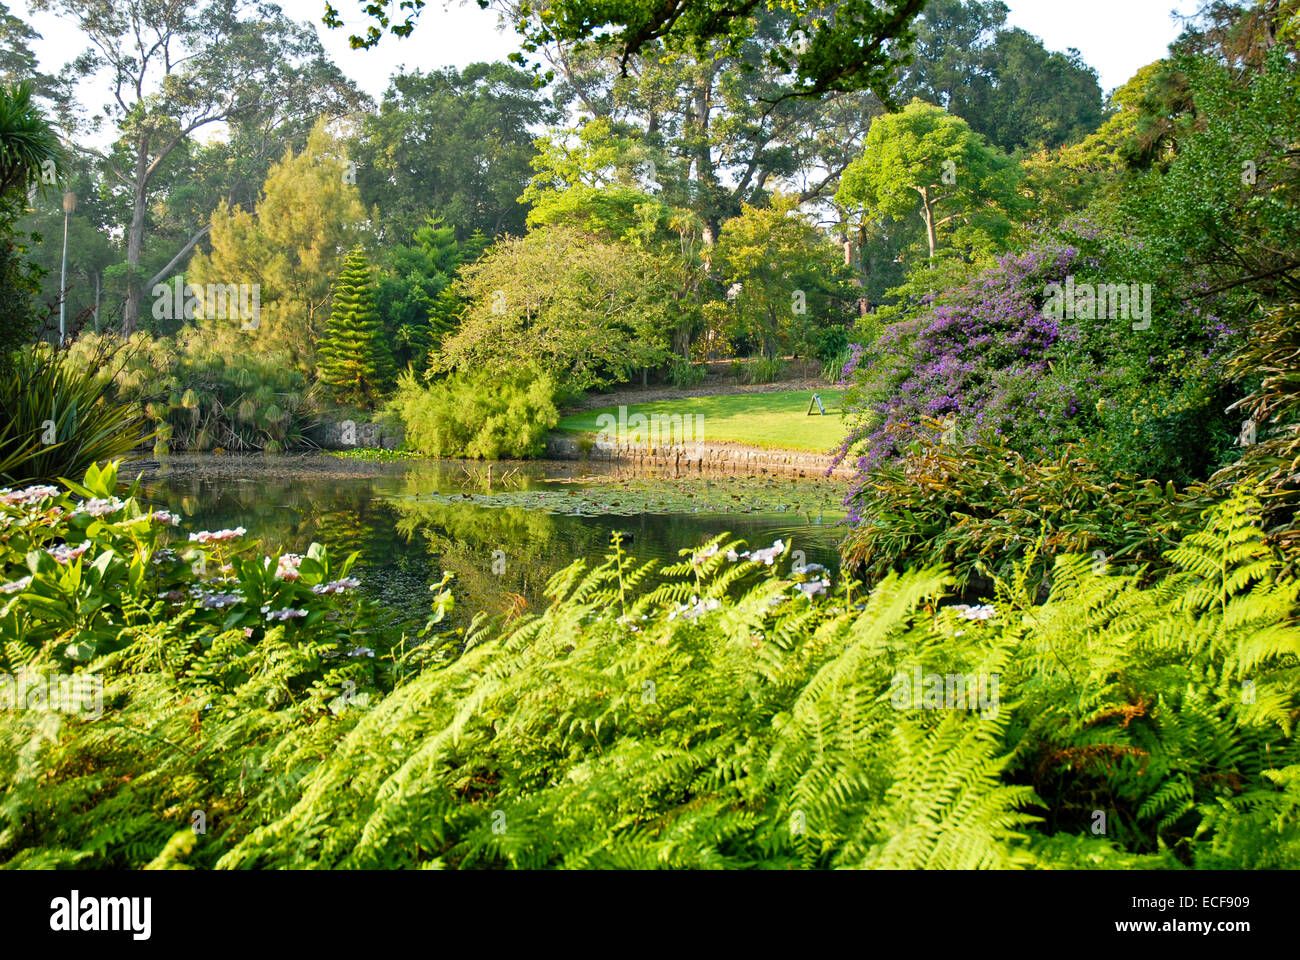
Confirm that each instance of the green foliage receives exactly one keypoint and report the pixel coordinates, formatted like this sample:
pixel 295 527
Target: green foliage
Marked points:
pixel 481 414
pixel 683 373
pixel 56 418
pixel 785 280
pixel 199 397
pixel 413 300
pixel 764 369
pixel 858 49
pixel 583 309
pixel 985 509
pixel 355 363
pixel 926 162
pixel 723 711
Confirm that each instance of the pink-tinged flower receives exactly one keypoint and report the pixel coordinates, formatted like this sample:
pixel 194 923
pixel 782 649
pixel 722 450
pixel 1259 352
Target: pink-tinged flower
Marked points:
pixel 287 566
pixel 13 586
pixel 175 595
pixel 336 586
pixel 288 613
pixel 217 536
pixel 100 506
pixel 64 553
pixel 28 495
pixel 165 516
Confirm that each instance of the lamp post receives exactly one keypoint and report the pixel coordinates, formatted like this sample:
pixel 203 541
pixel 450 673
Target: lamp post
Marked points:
pixel 69 204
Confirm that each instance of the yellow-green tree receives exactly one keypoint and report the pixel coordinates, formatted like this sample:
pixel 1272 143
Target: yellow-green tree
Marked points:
pixel 309 214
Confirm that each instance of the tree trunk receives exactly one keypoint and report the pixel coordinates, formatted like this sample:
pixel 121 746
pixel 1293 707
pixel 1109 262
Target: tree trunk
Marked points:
pixel 135 241
pixel 927 214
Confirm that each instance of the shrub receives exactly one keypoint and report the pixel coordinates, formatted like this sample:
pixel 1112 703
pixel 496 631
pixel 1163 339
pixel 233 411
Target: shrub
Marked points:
pixel 199 396
pixel 984 509
pixel 57 421
pixel 988 353
pixel 762 369
pixel 683 373
pixel 484 414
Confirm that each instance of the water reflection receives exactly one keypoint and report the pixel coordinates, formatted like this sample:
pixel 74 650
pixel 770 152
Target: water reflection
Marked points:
pixel 502 556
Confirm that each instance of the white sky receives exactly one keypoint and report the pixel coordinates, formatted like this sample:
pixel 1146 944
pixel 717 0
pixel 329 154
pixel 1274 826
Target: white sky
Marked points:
pixel 1114 36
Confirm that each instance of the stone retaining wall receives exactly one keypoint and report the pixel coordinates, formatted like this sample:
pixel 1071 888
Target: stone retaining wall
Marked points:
pixel 698 457
pixel 348 434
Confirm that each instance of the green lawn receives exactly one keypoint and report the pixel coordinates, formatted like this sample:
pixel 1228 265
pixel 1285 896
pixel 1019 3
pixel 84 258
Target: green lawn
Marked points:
pixel 773 420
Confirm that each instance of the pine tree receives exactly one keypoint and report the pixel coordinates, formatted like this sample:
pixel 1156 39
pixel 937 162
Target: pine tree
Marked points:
pixel 355 362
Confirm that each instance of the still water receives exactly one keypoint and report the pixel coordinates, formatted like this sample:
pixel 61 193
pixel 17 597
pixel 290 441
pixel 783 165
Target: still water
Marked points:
pixel 502 537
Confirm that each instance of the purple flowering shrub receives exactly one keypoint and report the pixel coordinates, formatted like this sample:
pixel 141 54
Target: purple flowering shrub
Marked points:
pixel 989 356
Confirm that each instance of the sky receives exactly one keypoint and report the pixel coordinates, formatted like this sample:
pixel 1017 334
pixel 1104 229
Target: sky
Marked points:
pixel 1114 36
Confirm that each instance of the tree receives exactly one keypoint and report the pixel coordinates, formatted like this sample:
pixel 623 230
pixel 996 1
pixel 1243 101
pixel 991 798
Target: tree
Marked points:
pixel 1003 82
pixel 18 63
pixel 413 299
pixel 786 276
pixel 291 249
pixel 355 362
pixel 710 131
pixel 850 45
pixel 584 309
pixel 29 149
pixel 176 68
pixel 455 142
pixel 924 161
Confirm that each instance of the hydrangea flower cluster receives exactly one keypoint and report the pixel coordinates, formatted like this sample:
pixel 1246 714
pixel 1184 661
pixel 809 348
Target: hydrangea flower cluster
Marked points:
pixel 100 506
pixel 336 586
pixel 217 536
pixel 65 554
pixel 28 495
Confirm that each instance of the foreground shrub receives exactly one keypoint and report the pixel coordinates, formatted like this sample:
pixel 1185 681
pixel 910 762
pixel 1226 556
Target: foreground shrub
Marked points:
pixel 55 419
pixel 984 508
pixel 733 716
pixel 485 414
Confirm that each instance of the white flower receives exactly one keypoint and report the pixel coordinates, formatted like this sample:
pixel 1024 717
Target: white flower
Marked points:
pixel 100 506
pixel 64 553
pixel 361 652
pixel 966 612
pixel 165 516
pixel 28 495
pixel 13 586
pixel 219 601
pixel 695 608
pixel 814 587
pixel 217 536
pixel 336 586
pixel 768 556
pixel 288 613
pixel 286 568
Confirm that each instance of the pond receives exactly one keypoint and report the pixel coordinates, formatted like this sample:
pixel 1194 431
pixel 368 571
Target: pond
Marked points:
pixel 503 529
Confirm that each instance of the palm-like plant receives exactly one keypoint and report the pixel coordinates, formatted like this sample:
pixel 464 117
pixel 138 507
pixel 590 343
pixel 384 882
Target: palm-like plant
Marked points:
pixel 29 146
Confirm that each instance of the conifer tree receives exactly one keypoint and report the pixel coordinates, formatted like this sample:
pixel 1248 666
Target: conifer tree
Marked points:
pixel 354 361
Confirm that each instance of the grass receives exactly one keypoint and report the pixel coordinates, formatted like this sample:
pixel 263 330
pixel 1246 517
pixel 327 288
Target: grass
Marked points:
pixel 772 420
